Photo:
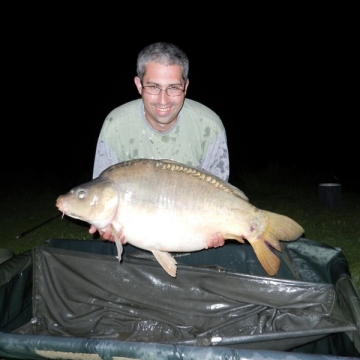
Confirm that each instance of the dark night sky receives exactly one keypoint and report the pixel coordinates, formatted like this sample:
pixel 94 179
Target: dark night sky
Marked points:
pixel 285 92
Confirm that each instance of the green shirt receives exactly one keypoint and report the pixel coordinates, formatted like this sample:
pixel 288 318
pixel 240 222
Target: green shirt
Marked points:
pixel 197 139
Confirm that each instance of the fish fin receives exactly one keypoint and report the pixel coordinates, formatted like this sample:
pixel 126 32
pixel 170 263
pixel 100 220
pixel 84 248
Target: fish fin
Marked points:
pixel 119 248
pixel 166 261
pixel 238 192
pixel 118 243
pixel 281 227
pixel 269 261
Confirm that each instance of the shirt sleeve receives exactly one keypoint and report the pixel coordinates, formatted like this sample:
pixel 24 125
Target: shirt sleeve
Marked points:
pixel 104 157
pixel 216 159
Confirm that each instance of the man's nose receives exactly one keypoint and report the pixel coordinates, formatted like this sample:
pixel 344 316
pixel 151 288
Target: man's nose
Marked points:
pixel 163 94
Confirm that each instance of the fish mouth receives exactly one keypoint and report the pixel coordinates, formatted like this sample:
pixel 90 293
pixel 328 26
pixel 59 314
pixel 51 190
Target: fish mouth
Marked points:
pixel 100 223
pixel 60 204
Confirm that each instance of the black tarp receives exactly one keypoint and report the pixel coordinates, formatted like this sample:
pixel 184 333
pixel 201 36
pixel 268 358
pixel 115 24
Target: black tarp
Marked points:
pixel 221 300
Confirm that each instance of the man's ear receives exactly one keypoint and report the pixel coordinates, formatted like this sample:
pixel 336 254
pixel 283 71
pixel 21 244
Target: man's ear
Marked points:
pixel 137 82
pixel 186 86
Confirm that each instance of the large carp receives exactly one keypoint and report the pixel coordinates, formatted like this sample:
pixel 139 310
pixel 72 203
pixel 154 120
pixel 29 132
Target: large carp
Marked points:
pixel 164 206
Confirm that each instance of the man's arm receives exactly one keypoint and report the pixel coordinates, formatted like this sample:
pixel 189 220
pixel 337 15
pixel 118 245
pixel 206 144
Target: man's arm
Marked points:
pixel 216 158
pixel 104 157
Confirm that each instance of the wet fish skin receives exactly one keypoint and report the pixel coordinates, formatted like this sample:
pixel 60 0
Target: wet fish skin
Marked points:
pixel 164 206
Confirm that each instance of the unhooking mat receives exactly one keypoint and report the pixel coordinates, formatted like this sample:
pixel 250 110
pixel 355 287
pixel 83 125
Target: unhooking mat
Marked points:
pixel 213 301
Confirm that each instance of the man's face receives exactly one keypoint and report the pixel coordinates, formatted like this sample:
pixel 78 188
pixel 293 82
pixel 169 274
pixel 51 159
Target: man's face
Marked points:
pixel 161 110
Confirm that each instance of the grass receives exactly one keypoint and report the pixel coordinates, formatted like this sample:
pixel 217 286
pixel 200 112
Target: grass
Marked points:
pixel 280 190
pixel 285 191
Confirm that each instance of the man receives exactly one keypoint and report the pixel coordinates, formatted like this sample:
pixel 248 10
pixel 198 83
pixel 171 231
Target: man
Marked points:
pixel 163 124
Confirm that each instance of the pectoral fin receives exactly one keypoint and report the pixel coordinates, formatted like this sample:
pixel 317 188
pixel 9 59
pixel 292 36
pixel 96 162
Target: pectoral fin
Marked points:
pixel 166 261
pixel 117 242
pixel 119 248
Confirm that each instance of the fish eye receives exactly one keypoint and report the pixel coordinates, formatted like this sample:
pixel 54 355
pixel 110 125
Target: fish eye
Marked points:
pixel 81 194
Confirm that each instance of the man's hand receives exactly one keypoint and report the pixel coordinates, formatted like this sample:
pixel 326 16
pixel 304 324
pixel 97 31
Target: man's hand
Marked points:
pixel 107 234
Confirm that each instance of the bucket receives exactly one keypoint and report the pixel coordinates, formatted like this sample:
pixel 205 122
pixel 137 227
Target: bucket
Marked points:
pixel 330 194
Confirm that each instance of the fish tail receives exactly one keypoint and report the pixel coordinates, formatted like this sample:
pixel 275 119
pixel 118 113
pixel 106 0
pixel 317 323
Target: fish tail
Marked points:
pixel 279 227
pixel 269 261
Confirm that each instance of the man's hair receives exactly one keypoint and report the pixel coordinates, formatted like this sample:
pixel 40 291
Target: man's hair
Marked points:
pixel 165 54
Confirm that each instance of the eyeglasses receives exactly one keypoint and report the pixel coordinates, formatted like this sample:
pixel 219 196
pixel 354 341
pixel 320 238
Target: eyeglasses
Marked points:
pixel 173 90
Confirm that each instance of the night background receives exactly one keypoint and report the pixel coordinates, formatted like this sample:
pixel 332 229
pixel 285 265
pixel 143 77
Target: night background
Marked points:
pixel 286 91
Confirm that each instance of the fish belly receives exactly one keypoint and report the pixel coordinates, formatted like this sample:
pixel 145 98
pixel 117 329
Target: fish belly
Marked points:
pixel 172 230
